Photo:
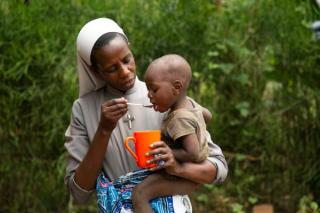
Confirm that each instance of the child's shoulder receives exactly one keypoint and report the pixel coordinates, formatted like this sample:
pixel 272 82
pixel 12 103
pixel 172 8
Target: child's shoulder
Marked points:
pixel 194 103
pixel 188 114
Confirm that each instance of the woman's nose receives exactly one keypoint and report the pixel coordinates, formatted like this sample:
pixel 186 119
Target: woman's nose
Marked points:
pixel 149 95
pixel 124 70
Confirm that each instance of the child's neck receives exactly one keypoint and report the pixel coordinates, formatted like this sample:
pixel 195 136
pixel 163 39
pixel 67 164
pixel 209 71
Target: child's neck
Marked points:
pixel 182 103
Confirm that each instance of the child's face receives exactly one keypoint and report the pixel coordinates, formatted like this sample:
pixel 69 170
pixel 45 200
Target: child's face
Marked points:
pixel 160 90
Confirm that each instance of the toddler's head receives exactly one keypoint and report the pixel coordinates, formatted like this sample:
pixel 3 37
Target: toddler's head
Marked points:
pixel 167 80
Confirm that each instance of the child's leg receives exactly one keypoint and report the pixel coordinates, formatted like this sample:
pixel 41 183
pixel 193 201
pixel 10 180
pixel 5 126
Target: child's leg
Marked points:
pixel 159 185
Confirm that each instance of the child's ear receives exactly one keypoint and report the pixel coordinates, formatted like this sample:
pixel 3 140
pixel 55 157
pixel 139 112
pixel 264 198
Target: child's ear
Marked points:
pixel 177 87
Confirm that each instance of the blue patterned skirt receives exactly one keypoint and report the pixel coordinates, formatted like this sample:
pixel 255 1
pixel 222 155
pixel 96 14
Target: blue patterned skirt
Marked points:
pixel 115 197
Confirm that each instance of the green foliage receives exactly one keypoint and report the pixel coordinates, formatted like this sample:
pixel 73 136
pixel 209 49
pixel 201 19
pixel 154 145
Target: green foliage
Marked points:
pixel 255 66
pixel 307 204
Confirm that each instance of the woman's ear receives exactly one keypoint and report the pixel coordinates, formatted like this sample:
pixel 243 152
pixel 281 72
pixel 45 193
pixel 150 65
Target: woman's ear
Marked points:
pixel 177 87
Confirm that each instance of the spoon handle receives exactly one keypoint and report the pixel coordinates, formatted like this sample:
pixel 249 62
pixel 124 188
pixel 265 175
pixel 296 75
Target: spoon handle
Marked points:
pixel 134 104
pixel 148 105
pixel 143 105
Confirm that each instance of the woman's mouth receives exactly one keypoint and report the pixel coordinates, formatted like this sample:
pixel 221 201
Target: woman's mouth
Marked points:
pixel 129 82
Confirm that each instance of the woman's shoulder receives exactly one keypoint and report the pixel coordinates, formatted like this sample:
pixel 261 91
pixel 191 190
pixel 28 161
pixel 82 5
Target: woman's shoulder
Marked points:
pixel 89 98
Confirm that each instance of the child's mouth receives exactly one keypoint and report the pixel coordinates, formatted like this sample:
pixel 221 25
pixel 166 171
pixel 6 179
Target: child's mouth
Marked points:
pixel 155 107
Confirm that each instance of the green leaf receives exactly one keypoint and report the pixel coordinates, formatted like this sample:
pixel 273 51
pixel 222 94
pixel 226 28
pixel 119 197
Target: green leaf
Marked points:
pixel 203 198
pixel 240 157
pixel 252 200
pixel 213 66
pixel 213 53
pixel 226 68
pixel 243 108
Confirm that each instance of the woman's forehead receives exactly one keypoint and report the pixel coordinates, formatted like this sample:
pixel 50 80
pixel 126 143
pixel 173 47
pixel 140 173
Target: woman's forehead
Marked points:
pixel 117 49
pixel 116 45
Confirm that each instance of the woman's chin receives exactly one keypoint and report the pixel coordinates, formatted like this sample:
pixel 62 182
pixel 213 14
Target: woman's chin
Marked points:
pixel 129 84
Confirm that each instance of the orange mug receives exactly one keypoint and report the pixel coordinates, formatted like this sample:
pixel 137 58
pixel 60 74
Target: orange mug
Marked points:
pixel 142 141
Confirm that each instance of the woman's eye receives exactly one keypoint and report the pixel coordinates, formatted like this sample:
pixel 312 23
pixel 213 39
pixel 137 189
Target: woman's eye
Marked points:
pixel 111 69
pixel 127 59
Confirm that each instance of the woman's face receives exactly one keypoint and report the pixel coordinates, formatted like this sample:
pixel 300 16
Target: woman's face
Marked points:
pixel 116 65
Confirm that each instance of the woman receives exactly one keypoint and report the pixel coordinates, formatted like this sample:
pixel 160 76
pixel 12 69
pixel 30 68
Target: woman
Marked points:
pixel 101 118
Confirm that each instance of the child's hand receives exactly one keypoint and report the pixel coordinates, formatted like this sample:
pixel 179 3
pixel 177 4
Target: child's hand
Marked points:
pixel 163 154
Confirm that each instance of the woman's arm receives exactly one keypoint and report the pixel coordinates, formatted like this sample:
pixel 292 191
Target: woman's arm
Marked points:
pixel 85 161
pixel 201 173
pixel 213 170
pixel 88 170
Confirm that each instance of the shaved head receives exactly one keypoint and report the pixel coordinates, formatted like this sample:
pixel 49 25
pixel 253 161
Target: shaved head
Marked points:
pixel 172 67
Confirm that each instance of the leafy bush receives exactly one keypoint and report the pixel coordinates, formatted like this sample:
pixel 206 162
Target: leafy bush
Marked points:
pixel 255 66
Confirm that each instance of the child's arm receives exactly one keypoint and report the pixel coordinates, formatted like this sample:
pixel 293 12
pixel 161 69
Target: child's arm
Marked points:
pixel 206 115
pixel 190 148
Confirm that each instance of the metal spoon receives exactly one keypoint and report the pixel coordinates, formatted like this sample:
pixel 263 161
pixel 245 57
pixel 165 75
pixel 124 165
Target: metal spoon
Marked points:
pixel 143 105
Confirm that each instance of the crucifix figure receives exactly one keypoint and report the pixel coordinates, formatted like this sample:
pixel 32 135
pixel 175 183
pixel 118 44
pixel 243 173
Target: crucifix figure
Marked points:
pixel 129 119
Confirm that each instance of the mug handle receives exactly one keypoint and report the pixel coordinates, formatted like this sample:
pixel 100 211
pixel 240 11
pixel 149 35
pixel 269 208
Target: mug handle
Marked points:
pixel 126 143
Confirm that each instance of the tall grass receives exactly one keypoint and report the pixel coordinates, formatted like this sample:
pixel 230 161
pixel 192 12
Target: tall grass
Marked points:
pixel 255 66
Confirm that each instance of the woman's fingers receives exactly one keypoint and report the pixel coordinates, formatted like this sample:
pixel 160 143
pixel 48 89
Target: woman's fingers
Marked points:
pixel 158 157
pixel 116 113
pixel 157 151
pixel 158 144
pixel 114 102
pixel 163 157
pixel 113 109
pixel 162 154
pixel 111 112
pixel 159 160
pixel 115 105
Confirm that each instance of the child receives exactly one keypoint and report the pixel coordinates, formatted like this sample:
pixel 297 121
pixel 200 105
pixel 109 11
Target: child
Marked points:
pixel 183 129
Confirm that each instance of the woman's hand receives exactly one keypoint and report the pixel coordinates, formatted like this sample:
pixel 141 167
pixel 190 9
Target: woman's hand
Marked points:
pixel 163 153
pixel 111 112
pixel 204 172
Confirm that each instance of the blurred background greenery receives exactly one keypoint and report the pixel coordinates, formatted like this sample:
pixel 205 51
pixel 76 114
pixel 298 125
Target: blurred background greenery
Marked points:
pixel 255 66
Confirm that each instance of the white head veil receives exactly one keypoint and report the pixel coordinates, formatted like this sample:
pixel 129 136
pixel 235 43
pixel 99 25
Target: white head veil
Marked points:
pixel 87 37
